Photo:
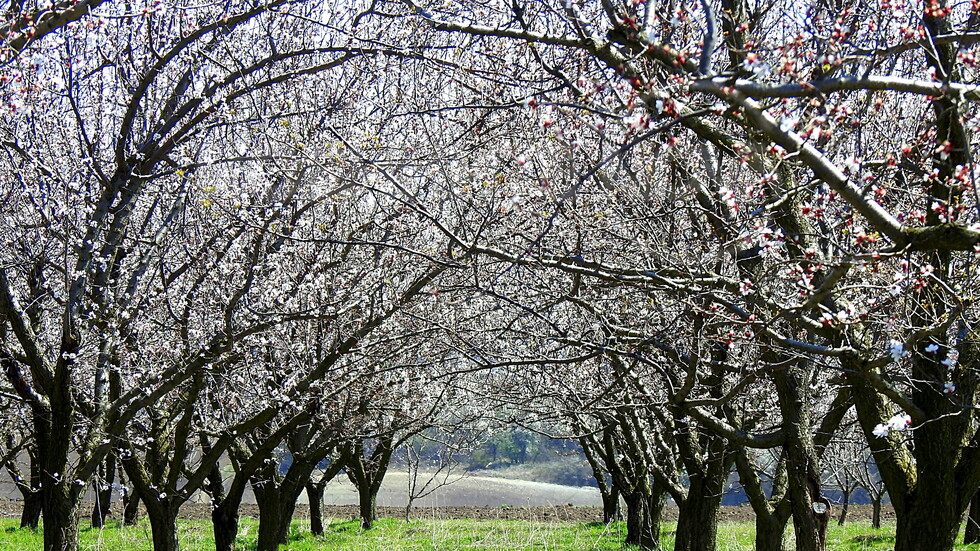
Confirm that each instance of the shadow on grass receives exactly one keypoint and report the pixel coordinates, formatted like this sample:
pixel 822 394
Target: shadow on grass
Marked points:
pixel 596 524
pixel 872 538
pixel 109 525
pixel 349 526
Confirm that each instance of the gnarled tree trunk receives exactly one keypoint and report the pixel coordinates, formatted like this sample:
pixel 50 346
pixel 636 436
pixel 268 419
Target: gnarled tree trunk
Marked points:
pixel 845 504
pixel 811 510
pixel 876 514
pixel 131 507
pixel 314 491
pixel 30 515
pixel 163 525
pixel 224 518
pixel 60 510
pixel 367 506
pixel 366 473
pixel 103 492
pixel 644 511
pixel 697 521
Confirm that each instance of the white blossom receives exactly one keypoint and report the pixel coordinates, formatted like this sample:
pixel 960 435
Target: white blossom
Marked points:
pixel 897 350
pixel 899 422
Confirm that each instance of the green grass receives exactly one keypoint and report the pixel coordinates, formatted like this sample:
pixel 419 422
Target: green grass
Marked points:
pixel 437 535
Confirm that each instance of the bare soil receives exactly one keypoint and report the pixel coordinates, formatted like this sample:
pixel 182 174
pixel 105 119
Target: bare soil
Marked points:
pixel 566 513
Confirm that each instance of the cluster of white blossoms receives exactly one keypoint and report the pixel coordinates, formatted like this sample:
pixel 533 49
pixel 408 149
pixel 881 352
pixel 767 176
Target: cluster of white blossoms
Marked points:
pixel 898 422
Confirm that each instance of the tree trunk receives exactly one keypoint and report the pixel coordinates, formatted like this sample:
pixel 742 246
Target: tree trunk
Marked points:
pixel 131 507
pixel 930 518
pixel 811 511
pixel 60 510
pixel 266 495
pixel 31 492
pixel 876 513
pixel 408 508
pixel 314 492
pixel 100 509
pixel 288 494
pixel 163 526
pixel 927 523
pixel 268 539
pixel 697 520
pixel 610 504
pixel 769 532
pixel 224 518
pixel 367 503
pixel 30 515
pixel 367 473
pixel 845 503
pixel 642 526
pixel 972 531
pixel 591 448
pixel 281 495
pixel 225 508
pixel 103 493
pixel 772 512
pixel 276 506
pixel 52 429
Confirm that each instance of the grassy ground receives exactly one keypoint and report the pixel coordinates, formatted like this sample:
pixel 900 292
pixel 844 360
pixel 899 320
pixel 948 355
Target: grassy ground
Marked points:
pixel 432 535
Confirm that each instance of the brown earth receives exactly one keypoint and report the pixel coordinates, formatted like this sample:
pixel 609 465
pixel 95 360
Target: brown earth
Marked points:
pixel 339 513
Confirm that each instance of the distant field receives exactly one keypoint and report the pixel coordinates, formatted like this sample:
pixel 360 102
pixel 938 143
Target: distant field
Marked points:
pixel 476 491
pixel 430 535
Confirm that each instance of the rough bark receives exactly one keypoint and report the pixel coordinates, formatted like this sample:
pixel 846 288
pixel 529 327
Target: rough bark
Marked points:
pixel 610 505
pixel 934 500
pixel 366 473
pixel 30 515
pixel 276 506
pixel 845 504
pixel 163 526
pixel 707 459
pixel 102 507
pixel 314 491
pixel 925 527
pixel 224 508
pixel 876 513
pixel 811 511
pixel 644 514
pixel 225 526
pixel 30 488
pixel 697 520
pixel 770 532
pixel 971 533
pixel 367 506
pixel 61 501
pixel 269 518
pixel 61 516
pixel 161 511
pixel 640 528
pixel 131 507
pixel 771 514
pixel 280 492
